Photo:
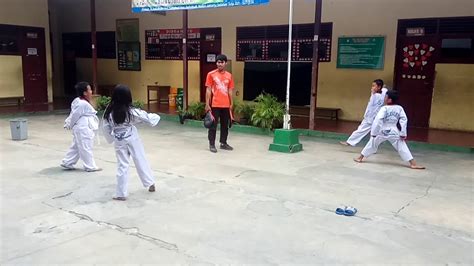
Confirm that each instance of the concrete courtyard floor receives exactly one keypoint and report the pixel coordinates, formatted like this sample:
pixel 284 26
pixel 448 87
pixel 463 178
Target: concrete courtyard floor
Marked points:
pixel 248 206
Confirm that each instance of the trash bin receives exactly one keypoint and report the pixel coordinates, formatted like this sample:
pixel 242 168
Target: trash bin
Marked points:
pixel 19 128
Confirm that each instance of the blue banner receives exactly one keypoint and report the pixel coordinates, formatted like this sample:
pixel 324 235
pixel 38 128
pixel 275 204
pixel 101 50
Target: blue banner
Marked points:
pixel 168 5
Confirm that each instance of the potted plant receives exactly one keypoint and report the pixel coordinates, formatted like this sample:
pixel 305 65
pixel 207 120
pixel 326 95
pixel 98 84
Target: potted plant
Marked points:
pixel 102 103
pixel 244 111
pixel 197 110
pixel 183 114
pixel 268 112
pixel 138 104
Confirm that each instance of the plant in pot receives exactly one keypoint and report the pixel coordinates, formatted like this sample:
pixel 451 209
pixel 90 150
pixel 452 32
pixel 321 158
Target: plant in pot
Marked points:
pixel 197 110
pixel 183 114
pixel 138 104
pixel 268 112
pixel 245 112
pixel 102 103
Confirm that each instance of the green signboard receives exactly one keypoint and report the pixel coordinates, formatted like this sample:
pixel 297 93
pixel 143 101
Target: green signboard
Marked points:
pixel 361 52
pixel 128 56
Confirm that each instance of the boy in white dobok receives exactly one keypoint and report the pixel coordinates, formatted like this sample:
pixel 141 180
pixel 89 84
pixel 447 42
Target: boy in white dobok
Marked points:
pixel 376 101
pixel 83 121
pixel 385 128
pixel 118 127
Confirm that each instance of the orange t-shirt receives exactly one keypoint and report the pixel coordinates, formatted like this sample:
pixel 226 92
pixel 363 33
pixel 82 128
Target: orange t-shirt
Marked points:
pixel 221 85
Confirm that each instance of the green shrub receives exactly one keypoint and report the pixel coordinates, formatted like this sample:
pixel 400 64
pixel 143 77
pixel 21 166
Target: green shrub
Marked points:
pixel 197 110
pixel 245 110
pixel 268 112
pixel 138 104
pixel 103 102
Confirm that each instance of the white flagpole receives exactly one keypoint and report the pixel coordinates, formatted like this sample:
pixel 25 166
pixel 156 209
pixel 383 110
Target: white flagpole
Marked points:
pixel 286 118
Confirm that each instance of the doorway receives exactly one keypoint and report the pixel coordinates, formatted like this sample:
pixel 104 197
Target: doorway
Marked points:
pixel 210 48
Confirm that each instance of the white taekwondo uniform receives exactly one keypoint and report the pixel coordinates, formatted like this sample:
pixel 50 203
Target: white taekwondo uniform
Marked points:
pixel 385 129
pixel 83 121
pixel 376 101
pixel 127 143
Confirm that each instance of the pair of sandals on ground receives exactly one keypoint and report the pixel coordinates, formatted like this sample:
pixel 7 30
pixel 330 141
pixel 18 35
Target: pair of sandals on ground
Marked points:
pixel 346 210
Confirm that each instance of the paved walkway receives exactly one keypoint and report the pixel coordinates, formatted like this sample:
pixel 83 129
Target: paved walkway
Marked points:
pixel 249 206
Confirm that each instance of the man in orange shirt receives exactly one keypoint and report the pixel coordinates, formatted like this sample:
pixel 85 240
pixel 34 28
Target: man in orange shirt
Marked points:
pixel 219 85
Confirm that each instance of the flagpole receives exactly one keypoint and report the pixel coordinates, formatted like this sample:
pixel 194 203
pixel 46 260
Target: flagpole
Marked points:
pixel 286 119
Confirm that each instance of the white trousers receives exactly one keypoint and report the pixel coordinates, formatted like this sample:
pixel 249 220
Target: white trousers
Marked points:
pixel 361 131
pixel 81 148
pixel 399 144
pixel 123 150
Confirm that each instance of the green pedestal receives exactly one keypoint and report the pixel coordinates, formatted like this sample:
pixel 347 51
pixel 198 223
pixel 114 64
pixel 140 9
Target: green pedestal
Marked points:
pixel 286 140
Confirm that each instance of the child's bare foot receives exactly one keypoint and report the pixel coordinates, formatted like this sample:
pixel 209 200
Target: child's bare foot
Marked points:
pixel 344 143
pixel 152 188
pixel 359 159
pixel 120 198
pixel 413 165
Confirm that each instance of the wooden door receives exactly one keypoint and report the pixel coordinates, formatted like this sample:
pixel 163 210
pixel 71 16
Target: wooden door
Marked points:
pixel 210 46
pixel 33 52
pixel 416 59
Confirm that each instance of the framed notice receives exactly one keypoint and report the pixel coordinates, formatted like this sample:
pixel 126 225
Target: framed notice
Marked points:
pixel 361 52
pixel 211 58
pixel 128 56
pixel 128 30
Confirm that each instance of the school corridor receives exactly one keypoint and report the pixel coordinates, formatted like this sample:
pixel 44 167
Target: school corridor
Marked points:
pixel 249 206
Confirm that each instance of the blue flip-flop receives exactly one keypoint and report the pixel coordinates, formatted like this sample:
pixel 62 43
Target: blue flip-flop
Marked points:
pixel 350 211
pixel 341 210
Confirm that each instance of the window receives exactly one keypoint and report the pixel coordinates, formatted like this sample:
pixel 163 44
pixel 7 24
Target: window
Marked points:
pixel 80 44
pixel 304 50
pixel 194 50
pixel 271 77
pixel 172 50
pixel 251 50
pixel 278 50
pixel 270 43
pixel 8 44
pixel 9 40
pixel 154 51
pixel 456 49
pixel 106 45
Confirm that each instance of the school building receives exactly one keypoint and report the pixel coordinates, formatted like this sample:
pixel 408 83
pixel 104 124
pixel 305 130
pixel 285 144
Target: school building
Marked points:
pixel 423 48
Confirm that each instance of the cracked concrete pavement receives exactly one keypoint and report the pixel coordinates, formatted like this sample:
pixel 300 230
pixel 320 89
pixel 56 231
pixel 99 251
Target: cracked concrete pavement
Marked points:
pixel 249 206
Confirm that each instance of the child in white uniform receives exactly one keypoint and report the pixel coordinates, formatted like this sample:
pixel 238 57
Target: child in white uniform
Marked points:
pixel 376 101
pixel 118 127
pixel 83 121
pixel 385 128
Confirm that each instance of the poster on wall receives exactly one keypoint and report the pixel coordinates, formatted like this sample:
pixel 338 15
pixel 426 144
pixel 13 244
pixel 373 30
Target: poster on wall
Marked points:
pixel 165 5
pixel 128 30
pixel 361 52
pixel 129 56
